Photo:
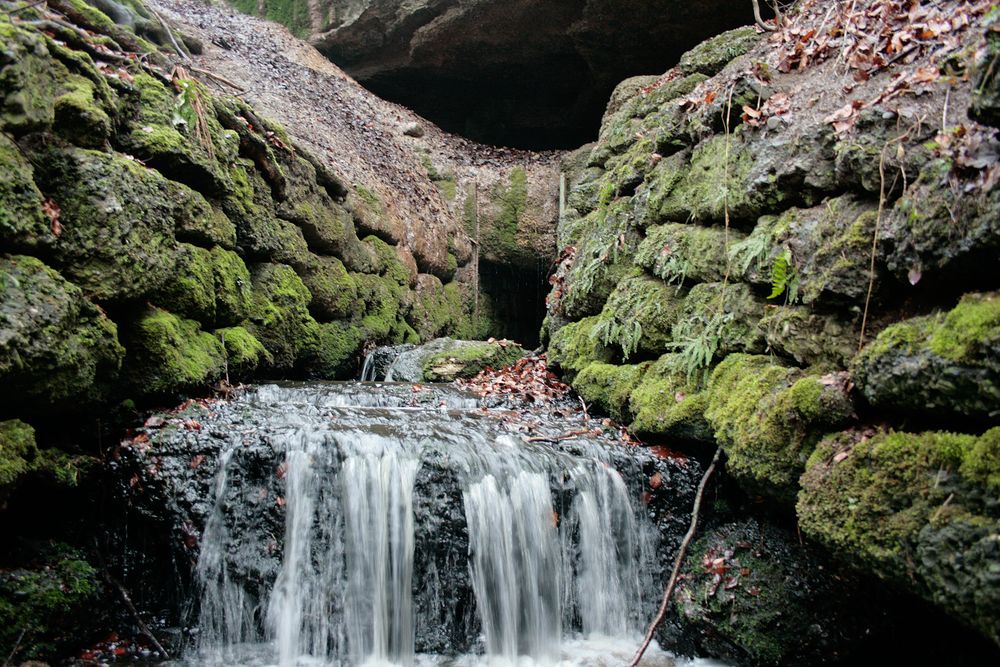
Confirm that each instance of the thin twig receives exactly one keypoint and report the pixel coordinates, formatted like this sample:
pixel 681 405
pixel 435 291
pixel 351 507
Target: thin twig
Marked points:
pixel 560 438
pixel 760 21
pixel 678 562
pixel 127 599
pixel 17 645
pixel 213 75
pixel 17 10
pixel 583 404
pixel 181 52
pixel 871 267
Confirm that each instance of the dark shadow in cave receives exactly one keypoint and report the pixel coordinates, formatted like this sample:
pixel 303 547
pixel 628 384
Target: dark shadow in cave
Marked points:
pixel 517 296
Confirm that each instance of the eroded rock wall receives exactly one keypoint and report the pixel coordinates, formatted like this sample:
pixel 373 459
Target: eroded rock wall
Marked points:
pixel 746 224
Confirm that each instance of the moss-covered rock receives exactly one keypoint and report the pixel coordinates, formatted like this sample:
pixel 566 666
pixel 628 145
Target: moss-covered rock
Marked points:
pixel 574 347
pixel 436 311
pixel 18 455
pixel 234 299
pixel 339 345
pixel 915 508
pixel 117 239
pixel 945 363
pixel 56 348
pixel 334 292
pixel 608 387
pixel 469 358
pixel 753 594
pixel 21 217
pixel 677 253
pixel 768 418
pixel 811 338
pixel 713 54
pixel 167 354
pixel 943 226
pixel 244 353
pixel 667 403
pixel 261 234
pixel 175 131
pixel 639 317
pixel 370 215
pixel 281 319
pixel 199 222
pixel 716 319
pixel 47 604
pixel 985 105
pixel 387 262
pixel 190 289
pixel 382 302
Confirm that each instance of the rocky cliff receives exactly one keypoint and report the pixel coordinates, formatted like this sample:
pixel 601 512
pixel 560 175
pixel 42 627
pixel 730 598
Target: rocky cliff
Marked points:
pixel 787 246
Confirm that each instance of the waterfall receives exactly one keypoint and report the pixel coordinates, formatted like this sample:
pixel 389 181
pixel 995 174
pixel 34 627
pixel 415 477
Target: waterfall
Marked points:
pixel 373 527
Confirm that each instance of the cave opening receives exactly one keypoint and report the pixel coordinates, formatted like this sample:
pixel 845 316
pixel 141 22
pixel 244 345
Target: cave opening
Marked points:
pixel 516 296
pixel 527 74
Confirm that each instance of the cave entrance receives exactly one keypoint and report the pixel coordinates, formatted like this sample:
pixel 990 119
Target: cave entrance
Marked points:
pixel 525 74
pixel 516 295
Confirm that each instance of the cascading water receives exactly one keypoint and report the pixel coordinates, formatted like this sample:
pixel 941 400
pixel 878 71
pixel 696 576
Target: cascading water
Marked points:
pixel 359 524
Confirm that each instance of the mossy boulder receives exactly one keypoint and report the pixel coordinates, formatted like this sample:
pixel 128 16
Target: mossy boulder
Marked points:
pixel 468 358
pixel 334 292
pixel 18 455
pixel 943 227
pixel 574 346
pixel 810 337
pixel 261 234
pixel 370 214
pixel 47 603
pixel 436 311
pixel 56 348
pixel 713 54
pixel 199 222
pixel 175 131
pixel 639 316
pixel 244 353
pixel 281 318
pixel 234 298
pixel 117 217
pixel 328 229
pixel 768 418
pixel 382 306
pixel 918 509
pixel 719 318
pixel 948 363
pixel 667 403
pixel 676 253
pixel 168 354
pixel 338 350
pixel 608 387
pixel 753 594
pixel 190 289
pixel 21 217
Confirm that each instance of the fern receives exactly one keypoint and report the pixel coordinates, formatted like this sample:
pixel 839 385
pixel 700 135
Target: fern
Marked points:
pixel 751 251
pixel 700 340
pixel 784 279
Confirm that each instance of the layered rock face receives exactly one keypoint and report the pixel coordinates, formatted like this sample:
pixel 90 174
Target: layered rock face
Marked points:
pixel 750 220
pixel 527 73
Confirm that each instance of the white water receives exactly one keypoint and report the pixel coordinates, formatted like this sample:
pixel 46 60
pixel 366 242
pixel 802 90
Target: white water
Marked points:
pixel 549 589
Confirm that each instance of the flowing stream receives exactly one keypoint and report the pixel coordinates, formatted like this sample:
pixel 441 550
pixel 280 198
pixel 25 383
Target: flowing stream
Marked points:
pixel 361 524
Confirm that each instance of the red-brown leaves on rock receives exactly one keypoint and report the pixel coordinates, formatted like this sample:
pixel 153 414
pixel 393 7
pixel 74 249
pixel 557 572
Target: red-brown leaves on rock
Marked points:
pixel 553 302
pixel 52 211
pixel 197 461
pixel 282 470
pixel 656 481
pixel 529 379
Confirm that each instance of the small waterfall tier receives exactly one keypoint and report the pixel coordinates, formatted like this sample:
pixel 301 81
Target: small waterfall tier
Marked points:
pixel 350 524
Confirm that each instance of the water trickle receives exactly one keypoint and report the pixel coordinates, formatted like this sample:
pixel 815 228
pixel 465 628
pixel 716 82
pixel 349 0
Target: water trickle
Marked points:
pixel 359 524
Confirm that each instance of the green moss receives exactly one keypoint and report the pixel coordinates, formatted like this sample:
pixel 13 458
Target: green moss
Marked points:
pixel 639 316
pixel 381 299
pixel 234 300
pixel 45 606
pixel 677 252
pixel 293 14
pixel 244 353
pixel 436 310
pixel 466 361
pixel 22 222
pixel 281 319
pixel 573 347
pixel 56 348
pixel 334 291
pixel 190 289
pixel 78 115
pixel 768 418
pixel 388 263
pixel 811 338
pixel 199 222
pixel 943 362
pixel 500 239
pixel 713 54
pixel 609 387
pixel 117 239
pixel 340 343
pixel 918 509
pixel 968 329
pixel 18 454
pixel 667 403
pixel 167 354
